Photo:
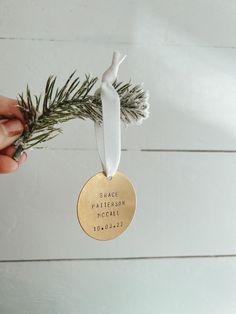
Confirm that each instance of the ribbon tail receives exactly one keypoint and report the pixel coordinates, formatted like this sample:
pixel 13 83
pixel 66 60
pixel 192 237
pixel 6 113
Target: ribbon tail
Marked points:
pixel 111 128
pixel 108 135
pixel 100 144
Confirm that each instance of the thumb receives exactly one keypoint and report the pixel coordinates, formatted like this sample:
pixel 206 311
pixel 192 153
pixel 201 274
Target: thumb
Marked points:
pixel 10 131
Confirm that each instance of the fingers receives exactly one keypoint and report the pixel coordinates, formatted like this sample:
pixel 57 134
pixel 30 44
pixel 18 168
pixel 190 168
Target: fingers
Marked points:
pixel 7 164
pixel 10 131
pixel 9 108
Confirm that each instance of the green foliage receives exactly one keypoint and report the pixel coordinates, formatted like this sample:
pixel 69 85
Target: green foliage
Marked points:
pixel 44 114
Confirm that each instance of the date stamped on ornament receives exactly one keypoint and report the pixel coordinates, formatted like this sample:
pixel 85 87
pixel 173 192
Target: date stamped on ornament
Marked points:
pixel 106 207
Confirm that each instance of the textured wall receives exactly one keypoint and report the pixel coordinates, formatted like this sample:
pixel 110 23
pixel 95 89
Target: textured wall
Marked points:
pixel 179 254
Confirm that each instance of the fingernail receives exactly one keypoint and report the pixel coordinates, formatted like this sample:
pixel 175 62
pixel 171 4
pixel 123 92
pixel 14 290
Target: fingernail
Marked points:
pixel 22 158
pixel 12 127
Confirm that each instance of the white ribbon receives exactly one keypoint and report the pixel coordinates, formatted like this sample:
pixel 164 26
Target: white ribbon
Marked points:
pixel 108 134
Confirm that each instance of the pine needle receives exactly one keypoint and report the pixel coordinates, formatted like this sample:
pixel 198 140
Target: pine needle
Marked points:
pixel 44 113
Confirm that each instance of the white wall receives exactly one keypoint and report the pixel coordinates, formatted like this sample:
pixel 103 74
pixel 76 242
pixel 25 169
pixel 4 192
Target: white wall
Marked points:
pixel 179 254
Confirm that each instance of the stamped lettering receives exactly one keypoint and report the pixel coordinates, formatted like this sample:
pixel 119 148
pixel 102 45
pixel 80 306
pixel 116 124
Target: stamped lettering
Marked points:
pixel 106 207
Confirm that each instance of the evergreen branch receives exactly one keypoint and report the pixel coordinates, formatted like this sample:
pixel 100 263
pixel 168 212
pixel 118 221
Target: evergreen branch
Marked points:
pixel 43 114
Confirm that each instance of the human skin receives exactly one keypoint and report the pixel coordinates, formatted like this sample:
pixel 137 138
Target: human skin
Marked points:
pixel 11 127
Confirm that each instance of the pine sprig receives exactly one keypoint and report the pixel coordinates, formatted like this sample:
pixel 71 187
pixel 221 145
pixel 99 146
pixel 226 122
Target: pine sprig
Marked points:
pixel 45 113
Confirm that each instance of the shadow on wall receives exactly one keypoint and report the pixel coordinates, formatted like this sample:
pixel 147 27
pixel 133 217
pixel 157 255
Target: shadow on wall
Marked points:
pixel 183 22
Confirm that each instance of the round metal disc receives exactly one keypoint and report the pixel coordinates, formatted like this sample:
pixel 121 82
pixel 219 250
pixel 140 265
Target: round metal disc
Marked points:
pixel 106 206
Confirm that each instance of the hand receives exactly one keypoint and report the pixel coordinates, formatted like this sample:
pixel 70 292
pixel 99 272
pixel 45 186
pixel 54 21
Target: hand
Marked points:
pixel 11 127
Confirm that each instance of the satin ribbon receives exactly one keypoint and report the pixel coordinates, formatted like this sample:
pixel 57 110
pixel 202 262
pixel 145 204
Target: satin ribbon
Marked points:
pixel 108 134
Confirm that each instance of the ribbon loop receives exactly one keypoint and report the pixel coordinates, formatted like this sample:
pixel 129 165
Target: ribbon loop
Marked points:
pixel 108 135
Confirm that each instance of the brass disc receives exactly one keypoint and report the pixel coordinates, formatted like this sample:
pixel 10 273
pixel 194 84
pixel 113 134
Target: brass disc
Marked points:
pixel 106 206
